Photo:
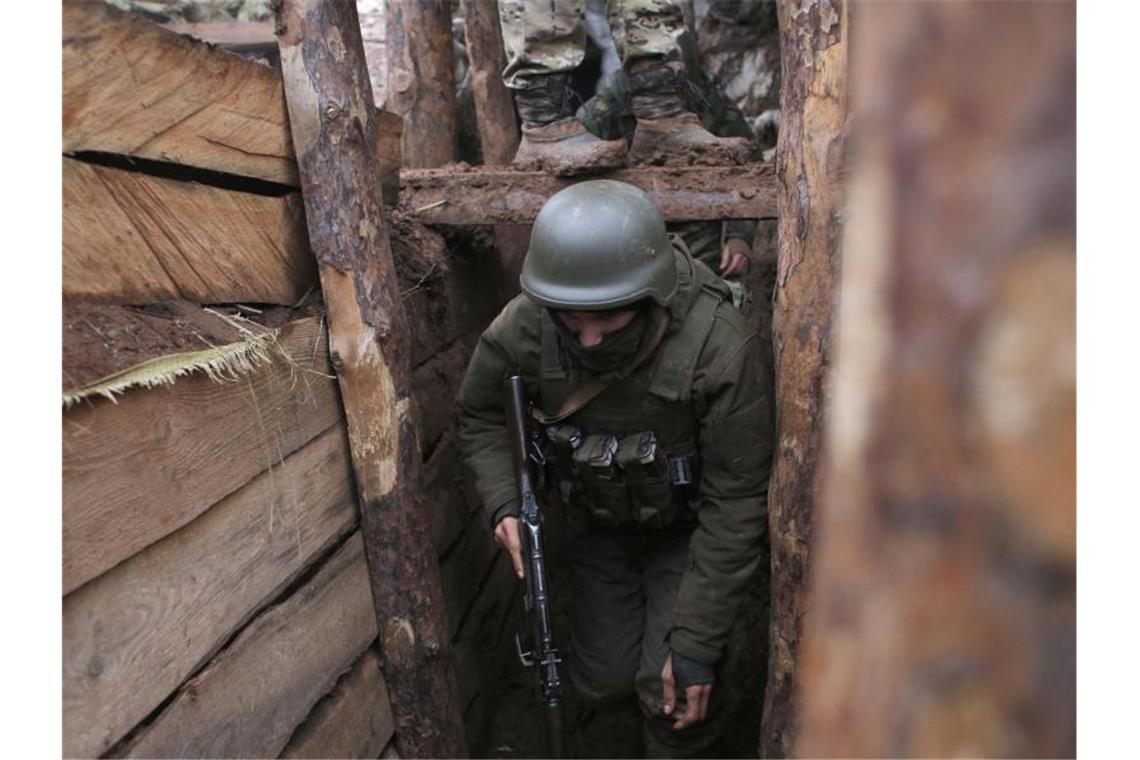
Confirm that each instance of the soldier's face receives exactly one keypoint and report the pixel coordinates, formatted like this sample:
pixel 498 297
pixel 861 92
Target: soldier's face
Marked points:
pixel 592 326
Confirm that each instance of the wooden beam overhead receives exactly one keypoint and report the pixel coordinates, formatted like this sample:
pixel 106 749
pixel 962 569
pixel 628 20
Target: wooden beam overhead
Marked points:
pixel 492 195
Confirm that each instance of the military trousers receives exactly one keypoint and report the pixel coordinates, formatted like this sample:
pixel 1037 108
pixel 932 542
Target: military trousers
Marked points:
pixel 625 588
pixel 549 36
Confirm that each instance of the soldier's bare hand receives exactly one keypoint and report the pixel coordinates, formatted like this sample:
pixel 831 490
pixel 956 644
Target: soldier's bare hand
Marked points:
pixel 507 536
pixel 734 258
pixel 696 698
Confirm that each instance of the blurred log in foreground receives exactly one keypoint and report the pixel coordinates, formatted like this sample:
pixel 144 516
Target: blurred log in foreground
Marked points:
pixel 943 618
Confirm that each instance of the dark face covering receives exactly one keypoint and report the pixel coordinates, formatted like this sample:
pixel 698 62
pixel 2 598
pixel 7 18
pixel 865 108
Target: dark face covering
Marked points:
pixel 617 348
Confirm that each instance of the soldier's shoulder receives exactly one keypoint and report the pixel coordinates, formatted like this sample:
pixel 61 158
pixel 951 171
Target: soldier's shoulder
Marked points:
pixel 728 336
pixel 519 319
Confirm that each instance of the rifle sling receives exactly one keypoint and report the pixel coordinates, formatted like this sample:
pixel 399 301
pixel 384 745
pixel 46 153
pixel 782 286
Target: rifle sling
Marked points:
pixel 586 393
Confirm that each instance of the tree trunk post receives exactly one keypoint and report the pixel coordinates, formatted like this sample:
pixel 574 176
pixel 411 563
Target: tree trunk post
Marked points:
pixel 421 79
pixel 943 618
pixel 809 153
pixel 332 118
pixel 494 108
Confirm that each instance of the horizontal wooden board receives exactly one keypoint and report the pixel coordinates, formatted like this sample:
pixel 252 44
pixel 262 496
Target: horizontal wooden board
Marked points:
pixel 355 720
pixel 463 568
pixel 133 238
pixel 435 385
pixel 134 88
pixel 453 500
pixel 132 635
pixel 479 647
pixel 491 195
pixel 136 470
pixel 248 701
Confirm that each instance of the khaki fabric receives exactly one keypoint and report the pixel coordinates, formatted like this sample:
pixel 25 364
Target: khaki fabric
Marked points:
pixel 544 37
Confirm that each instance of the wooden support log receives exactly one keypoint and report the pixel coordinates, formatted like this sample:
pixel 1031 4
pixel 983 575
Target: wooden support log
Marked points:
pixel 132 87
pixel 355 720
pixel 330 111
pixel 137 470
pixel 494 108
pixel 132 635
pixel 813 44
pixel 421 79
pixel 132 238
pixel 478 195
pixel 943 621
pixel 248 701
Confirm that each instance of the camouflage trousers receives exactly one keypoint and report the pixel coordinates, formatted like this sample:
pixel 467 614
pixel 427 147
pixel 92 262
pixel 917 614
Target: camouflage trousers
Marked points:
pixel 549 36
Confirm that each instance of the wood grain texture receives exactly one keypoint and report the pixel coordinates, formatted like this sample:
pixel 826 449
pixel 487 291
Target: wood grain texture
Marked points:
pixel 355 720
pixel 421 78
pixel 809 157
pixel 494 108
pixel 137 470
pixel 330 110
pixel 132 635
pixel 944 584
pixel 250 698
pixel 491 195
pixel 133 238
pixel 134 88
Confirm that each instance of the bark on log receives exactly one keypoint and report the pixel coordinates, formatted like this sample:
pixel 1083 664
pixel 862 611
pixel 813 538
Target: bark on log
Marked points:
pixel 421 79
pixel 331 115
pixel 495 195
pixel 813 44
pixel 943 616
pixel 494 108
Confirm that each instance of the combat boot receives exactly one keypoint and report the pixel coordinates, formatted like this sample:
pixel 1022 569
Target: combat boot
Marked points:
pixel 667 130
pixel 553 140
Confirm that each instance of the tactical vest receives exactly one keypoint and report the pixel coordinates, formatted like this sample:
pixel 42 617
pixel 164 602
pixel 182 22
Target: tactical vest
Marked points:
pixel 628 459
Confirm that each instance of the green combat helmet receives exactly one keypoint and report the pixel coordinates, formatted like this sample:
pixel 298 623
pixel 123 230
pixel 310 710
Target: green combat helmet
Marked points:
pixel 598 245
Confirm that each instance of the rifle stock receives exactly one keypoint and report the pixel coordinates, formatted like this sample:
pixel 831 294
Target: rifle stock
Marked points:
pixel 543 656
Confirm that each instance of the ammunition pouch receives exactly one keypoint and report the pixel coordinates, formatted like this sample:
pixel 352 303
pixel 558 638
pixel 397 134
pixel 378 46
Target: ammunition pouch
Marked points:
pixel 623 482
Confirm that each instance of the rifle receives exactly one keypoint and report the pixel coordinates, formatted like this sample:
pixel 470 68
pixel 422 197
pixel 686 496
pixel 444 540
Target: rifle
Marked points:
pixel 543 656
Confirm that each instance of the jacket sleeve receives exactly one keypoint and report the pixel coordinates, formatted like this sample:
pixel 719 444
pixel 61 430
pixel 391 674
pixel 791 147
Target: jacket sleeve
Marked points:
pixel 736 442
pixel 482 417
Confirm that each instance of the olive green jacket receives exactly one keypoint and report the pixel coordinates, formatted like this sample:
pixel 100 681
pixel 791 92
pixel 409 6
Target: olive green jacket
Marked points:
pixel 729 398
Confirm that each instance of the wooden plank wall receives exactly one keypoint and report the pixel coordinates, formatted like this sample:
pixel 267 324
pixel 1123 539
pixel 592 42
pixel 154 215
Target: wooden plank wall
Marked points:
pixel 215 599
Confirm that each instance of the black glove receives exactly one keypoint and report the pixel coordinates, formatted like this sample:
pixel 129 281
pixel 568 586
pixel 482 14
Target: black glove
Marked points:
pixel 688 672
pixel 510 509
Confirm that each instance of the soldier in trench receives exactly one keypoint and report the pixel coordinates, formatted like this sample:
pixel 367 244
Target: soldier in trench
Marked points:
pixel 656 418
pixel 546 41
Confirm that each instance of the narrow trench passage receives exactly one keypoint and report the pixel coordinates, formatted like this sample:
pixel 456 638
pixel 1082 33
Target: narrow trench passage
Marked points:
pixel 514 729
pixel 512 714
